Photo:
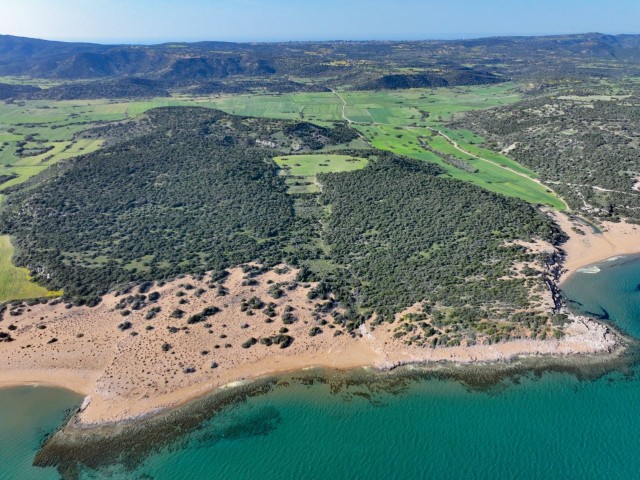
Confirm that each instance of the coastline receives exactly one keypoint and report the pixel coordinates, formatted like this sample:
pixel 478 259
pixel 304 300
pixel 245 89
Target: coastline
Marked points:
pixel 123 382
pixel 76 446
pixel 585 339
pixel 588 247
pixel 80 382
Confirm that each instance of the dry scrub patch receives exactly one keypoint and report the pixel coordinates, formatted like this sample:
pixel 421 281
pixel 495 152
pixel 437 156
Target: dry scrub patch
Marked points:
pixel 131 362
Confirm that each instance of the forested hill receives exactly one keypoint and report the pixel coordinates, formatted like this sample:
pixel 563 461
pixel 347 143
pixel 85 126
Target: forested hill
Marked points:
pixel 364 65
pixel 186 190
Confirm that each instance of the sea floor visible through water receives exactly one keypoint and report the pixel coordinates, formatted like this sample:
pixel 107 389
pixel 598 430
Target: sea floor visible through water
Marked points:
pixel 528 425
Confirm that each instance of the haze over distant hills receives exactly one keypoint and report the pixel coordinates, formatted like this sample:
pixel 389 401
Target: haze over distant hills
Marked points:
pixel 300 66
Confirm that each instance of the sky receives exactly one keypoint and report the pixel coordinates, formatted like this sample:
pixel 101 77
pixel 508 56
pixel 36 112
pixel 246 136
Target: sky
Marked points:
pixel 154 21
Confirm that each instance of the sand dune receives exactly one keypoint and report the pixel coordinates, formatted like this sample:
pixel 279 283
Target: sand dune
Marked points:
pixel 128 370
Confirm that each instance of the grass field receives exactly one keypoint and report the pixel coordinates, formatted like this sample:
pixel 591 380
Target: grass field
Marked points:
pixel 14 281
pixel 397 121
pixel 301 170
pixel 405 141
pixel 55 123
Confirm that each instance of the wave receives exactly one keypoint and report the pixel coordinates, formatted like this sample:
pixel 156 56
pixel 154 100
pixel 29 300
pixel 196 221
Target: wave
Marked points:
pixel 591 269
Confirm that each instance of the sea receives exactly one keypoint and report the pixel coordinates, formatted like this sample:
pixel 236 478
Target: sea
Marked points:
pixel 551 424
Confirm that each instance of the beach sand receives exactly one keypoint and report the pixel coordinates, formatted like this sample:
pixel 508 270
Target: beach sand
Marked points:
pixel 130 371
pixel 587 248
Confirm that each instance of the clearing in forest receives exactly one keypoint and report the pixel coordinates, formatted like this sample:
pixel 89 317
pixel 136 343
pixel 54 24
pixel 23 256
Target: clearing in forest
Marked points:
pixel 301 170
pixel 14 282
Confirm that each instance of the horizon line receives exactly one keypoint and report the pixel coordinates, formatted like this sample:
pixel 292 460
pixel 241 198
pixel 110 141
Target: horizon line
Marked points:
pixel 435 37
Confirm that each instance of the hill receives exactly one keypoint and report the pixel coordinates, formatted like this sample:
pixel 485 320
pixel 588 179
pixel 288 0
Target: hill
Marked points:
pixel 190 190
pixel 365 65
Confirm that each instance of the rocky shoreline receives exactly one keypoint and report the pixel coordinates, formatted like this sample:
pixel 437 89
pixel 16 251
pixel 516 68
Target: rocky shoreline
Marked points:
pixel 135 369
pixel 77 445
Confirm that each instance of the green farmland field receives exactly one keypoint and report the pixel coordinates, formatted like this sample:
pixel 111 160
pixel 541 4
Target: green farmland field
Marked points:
pixel 306 167
pixel 396 120
pixel 14 282
pixel 498 179
pixel 391 120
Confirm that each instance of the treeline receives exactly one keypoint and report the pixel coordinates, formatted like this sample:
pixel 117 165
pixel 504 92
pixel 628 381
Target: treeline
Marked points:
pixel 270 85
pixel 442 77
pixel 579 144
pixel 8 90
pixel 118 88
pixel 405 234
pixel 448 158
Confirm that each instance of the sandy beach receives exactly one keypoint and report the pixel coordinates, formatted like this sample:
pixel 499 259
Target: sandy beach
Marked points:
pixel 588 247
pixel 129 365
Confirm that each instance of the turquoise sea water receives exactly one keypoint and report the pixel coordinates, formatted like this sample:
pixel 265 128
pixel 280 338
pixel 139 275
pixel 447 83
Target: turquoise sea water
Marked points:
pixel 610 288
pixel 546 427
pixel 27 415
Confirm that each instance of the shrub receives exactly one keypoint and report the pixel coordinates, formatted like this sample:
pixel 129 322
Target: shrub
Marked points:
pixel 315 331
pixel 250 343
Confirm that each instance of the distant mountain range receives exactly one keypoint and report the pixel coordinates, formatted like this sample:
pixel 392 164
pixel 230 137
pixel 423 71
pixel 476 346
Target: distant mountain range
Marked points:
pixel 289 66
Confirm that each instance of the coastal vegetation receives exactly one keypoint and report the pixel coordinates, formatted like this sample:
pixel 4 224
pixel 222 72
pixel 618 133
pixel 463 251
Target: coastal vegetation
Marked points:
pixel 189 190
pixel 392 227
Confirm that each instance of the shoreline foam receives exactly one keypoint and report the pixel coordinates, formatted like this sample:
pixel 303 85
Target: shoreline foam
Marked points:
pixel 583 250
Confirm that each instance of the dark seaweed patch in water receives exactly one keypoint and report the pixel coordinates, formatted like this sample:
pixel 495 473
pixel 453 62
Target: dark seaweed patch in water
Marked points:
pixel 600 316
pixel 257 422
pixel 73 449
pixel 573 302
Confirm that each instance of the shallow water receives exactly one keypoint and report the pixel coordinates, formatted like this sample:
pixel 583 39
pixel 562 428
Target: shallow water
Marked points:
pixel 609 289
pixel 553 426
pixel 27 415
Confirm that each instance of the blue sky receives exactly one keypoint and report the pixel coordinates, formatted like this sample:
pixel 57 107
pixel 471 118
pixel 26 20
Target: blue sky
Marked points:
pixel 149 21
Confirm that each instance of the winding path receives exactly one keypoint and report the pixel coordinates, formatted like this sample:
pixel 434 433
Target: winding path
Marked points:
pixel 600 189
pixel 459 148
pixel 344 106
pixel 347 119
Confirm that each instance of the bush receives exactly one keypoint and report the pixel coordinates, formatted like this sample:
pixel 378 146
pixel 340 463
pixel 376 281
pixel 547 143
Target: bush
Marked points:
pixel 315 331
pixel 249 343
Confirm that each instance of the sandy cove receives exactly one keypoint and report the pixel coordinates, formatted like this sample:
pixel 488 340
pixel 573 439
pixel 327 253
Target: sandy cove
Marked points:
pixel 130 370
pixel 584 249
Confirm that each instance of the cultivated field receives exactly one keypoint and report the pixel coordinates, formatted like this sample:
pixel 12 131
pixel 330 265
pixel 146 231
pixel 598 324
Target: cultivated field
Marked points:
pixel 14 282
pixel 301 170
pixel 390 120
